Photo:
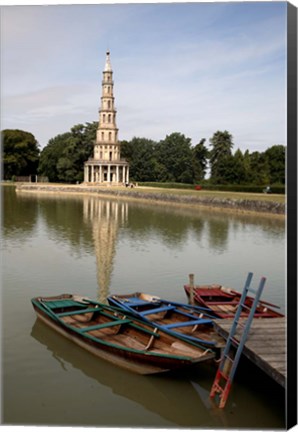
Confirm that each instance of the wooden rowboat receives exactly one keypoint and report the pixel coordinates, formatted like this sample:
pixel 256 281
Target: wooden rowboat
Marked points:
pixel 108 333
pixel 190 322
pixel 223 302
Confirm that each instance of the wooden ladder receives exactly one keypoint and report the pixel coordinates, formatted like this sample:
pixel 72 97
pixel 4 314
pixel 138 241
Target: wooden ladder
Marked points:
pixel 230 359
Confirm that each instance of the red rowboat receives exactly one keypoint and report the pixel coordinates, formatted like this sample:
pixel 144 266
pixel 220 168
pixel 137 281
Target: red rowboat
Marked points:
pixel 223 302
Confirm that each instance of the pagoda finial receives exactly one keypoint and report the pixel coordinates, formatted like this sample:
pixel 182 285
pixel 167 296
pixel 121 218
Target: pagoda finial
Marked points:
pixel 108 67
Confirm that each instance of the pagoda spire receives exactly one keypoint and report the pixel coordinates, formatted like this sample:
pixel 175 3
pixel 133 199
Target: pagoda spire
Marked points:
pixel 107 132
pixel 108 67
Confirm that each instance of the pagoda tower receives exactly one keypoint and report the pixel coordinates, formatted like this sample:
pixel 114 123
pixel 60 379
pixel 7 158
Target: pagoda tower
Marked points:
pixel 107 167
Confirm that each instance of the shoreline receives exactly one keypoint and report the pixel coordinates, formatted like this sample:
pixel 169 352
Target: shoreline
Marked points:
pixel 241 206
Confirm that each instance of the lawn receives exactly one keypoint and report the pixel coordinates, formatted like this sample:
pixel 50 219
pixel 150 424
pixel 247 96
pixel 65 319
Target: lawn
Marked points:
pixel 215 194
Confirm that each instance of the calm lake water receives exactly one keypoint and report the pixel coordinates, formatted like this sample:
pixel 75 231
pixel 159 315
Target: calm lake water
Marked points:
pixel 63 244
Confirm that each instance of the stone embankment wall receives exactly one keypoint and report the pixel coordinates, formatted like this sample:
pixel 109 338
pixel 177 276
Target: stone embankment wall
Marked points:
pixel 243 205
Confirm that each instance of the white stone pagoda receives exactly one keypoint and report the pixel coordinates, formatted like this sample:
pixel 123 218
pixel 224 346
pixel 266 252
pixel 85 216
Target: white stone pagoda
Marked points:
pixel 107 167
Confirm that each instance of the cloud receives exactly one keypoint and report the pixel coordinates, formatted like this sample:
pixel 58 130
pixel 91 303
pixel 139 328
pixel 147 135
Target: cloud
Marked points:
pixel 241 91
pixel 49 111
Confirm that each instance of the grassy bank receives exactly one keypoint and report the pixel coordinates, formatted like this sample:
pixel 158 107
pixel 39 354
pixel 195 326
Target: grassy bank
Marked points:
pixel 233 201
pixel 217 194
pixel 275 188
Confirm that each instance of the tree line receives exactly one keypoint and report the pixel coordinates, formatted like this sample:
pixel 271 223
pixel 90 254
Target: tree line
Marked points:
pixel 173 159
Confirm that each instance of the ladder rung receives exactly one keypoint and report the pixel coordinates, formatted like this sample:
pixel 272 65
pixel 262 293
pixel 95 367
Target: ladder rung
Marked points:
pixel 240 324
pixel 235 341
pixel 218 388
pixel 244 306
pixel 224 376
pixel 229 358
pixel 252 290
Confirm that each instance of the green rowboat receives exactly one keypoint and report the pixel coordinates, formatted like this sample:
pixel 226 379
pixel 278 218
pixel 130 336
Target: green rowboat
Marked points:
pixel 123 340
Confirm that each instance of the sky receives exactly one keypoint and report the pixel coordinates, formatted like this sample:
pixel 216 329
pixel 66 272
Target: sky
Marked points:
pixel 193 68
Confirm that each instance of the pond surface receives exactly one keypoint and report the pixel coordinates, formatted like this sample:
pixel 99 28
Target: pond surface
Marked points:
pixel 53 244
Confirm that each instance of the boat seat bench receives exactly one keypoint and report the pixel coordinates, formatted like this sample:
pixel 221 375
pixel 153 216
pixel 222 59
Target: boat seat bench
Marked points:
pixel 223 303
pixel 104 325
pixel 157 310
pixel 213 292
pixel 78 312
pixel 61 303
pixel 187 323
pixel 189 315
pixel 137 303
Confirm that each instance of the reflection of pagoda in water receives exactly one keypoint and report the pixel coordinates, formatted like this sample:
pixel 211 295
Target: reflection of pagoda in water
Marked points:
pixel 105 216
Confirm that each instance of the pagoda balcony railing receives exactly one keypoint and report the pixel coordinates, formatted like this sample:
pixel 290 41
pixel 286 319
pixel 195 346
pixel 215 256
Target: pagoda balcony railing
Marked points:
pixel 93 161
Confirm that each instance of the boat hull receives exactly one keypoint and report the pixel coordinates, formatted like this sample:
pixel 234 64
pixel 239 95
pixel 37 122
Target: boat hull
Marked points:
pixel 137 361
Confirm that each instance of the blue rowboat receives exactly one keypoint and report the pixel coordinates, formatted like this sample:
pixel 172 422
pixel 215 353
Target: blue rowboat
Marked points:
pixel 193 323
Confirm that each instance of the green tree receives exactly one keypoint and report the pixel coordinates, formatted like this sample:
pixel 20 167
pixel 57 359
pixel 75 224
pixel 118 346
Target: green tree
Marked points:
pixel 20 153
pixel 175 159
pixel 259 169
pixel 226 170
pixel 140 153
pixel 79 147
pixel 50 155
pixel 64 156
pixel 238 174
pixel 246 165
pixel 200 160
pixel 276 156
pixel 220 154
